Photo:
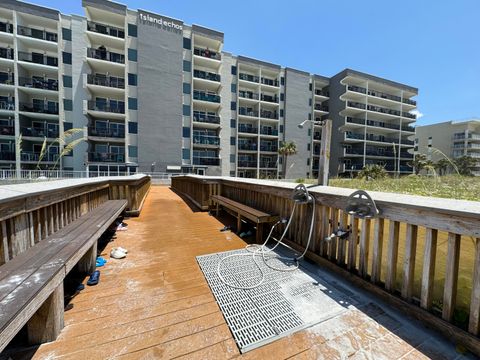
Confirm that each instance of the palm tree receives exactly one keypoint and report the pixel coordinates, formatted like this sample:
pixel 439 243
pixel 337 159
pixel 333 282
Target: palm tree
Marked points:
pixel 286 149
pixel 418 162
pixel 465 165
pixel 442 166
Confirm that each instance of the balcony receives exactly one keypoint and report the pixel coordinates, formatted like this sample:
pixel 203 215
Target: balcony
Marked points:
pixel 354 136
pixel 37 82
pixel 105 29
pixel 352 120
pixel 355 104
pixel 37 58
pixel 270 98
pixel 408 128
pixel 7 156
pixel 270 82
pixel 321 107
pixel 206 140
pixel 6 27
pixel 205 118
pixel 247 146
pixel 248 77
pixel 206 53
pixel 409 102
pixel 206 96
pixel 106 157
pixel 247 163
pixel 206 161
pixel 407 142
pixel 248 112
pixel 106 132
pixel 381 138
pixel 6 53
pixel 50 108
pixel 199 74
pixel 7 130
pixel 101 54
pixel 268 164
pixel 268 147
pixel 116 107
pixel 354 151
pixel 107 81
pixel 242 128
pixel 317 136
pixel 264 114
pixel 35 157
pixel 321 92
pixel 7 78
pixel 383 125
pixel 48 132
pixel 248 95
pixel 37 34
pixel 269 131
pixel 7 105
pixel 374 93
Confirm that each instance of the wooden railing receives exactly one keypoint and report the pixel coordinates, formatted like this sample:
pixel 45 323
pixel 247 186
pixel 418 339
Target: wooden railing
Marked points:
pixel 31 212
pixel 413 255
pixel 197 189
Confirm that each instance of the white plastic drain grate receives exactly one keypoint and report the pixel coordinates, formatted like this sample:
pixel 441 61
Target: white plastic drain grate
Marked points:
pixel 284 303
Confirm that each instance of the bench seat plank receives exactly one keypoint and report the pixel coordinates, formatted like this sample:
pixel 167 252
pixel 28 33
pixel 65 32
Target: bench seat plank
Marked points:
pixel 248 212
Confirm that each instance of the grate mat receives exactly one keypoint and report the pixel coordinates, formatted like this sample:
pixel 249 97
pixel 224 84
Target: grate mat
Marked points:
pixel 284 303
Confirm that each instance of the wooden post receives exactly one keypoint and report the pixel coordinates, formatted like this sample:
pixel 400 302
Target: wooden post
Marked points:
pixel 364 247
pixel 259 233
pixel 45 325
pixel 377 250
pixel 409 262
pixel 451 276
pixel 352 244
pixel 392 256
pixel 87 263
pixel 474 323
pixel 430 254
pixel 324 163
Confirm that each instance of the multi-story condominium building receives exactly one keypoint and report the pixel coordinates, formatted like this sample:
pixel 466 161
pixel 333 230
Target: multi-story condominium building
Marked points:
pixel 452 138
pixel 144 92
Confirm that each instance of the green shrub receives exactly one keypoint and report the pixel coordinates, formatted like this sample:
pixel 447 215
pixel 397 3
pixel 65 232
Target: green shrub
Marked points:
pixel 372 172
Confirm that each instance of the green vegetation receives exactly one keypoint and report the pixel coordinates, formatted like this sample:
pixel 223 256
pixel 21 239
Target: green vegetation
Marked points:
pixel 372 172
pixel 286 149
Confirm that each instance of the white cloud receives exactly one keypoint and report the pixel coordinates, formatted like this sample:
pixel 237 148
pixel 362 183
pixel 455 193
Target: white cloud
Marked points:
pixel 417 113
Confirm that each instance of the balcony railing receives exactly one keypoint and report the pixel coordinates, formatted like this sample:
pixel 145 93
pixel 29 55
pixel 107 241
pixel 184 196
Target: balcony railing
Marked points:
pixel 37 82
pixel 37 34
pixel 381 138
pixel 354 151
pixel 317 136
pixel 206 96
pixel 356 104
pixel 247 146
pixel 408 128
pixel 407 142
pixel 248 95
pixel 206 75
pixel 208 161
pixel 205 118
pixel 321 107
pixel 206 140
pixel 270 82
pixel 322 92
pixel 268 164
pixel 269 98
pixel 207 53
pixel 34 156
pixel 106 132
pixel 108 81
pixel 375 93
pixel 268 131
pixel 350 135
pixel 105 55
pixel 7 78
pixel 247 129
pixel 107 106
pixel 248 77
pixel 248 112
pixel 6 27
pixel 268 147
pixel 7 156
pixel 106 157
pixel 269 114
pixel 40 132
pixel 6 53
pixel 105 29
pixel 37 58
pixel 409 101
pixel 7 130
pixel 247 163
pixel 7 105
pixel 353 120
pixel 383 124
pixel 41 108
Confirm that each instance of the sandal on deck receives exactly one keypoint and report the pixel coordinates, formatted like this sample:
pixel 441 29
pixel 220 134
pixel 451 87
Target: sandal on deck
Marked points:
pixel 94 278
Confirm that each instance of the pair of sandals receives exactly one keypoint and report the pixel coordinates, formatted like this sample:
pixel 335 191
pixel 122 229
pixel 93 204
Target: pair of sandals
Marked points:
pixel 118 253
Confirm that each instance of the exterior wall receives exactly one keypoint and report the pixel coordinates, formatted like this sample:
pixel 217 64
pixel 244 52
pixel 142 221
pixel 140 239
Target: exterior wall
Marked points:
pixel 226 114
pixel 336 144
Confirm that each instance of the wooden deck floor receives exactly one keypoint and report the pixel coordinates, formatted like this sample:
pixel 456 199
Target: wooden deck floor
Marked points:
pixel 157 304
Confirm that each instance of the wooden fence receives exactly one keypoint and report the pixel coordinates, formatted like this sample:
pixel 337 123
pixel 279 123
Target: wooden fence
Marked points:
pixel 31 212
pixel 382 255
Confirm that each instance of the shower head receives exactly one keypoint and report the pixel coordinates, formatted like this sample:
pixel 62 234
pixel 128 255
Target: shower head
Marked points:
pixel 300 195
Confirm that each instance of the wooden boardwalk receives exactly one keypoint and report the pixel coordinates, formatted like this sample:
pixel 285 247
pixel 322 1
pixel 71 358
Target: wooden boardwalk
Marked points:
pixel 157 304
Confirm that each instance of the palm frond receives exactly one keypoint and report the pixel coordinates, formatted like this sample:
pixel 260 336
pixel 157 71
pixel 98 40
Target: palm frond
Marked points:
pixel 43 151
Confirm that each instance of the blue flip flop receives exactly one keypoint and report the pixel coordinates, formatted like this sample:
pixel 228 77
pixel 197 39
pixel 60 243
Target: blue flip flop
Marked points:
pixel 100 261
pixel 94 278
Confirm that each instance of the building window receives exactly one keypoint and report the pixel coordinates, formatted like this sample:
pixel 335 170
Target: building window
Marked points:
pixel 67 126
pixel 132 30
pixel 282 80
pixel 233 105
pixel 282 97
pixel 132 103
pixel 232 158
pixel 67 105
pixel 132 151
pixel 310 102
pixel 232 140
pixel 233 123
pixel 308 161
pixel 281 128
pixel 234 70
pixel 186 110
pixel 232 173
pixel 187 43
pixel 66 34
pixel 309 116
pixel 187 66
pixel 132 55
pixel 310 86
pixel 186 132
pixel 309 132
pixel 308 146
pixel 281 112
pixel 187 89
pixel 234 88
pixel 132 79
pixel 186 154
pixel 67 58
pixel 132 127
pixel 67 81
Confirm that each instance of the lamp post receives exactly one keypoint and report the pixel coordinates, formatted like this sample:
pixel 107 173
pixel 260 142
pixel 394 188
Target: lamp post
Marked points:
pixel 325 139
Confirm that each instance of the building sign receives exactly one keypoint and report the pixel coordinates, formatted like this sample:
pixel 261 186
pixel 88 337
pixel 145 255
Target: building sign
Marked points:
pixel 160 22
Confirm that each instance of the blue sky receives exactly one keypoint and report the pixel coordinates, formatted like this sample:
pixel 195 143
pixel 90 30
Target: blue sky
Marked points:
pixel 432 45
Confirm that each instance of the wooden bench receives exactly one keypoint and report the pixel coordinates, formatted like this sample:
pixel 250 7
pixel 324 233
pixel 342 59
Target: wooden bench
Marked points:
pixel 243 211
pixel 31 284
